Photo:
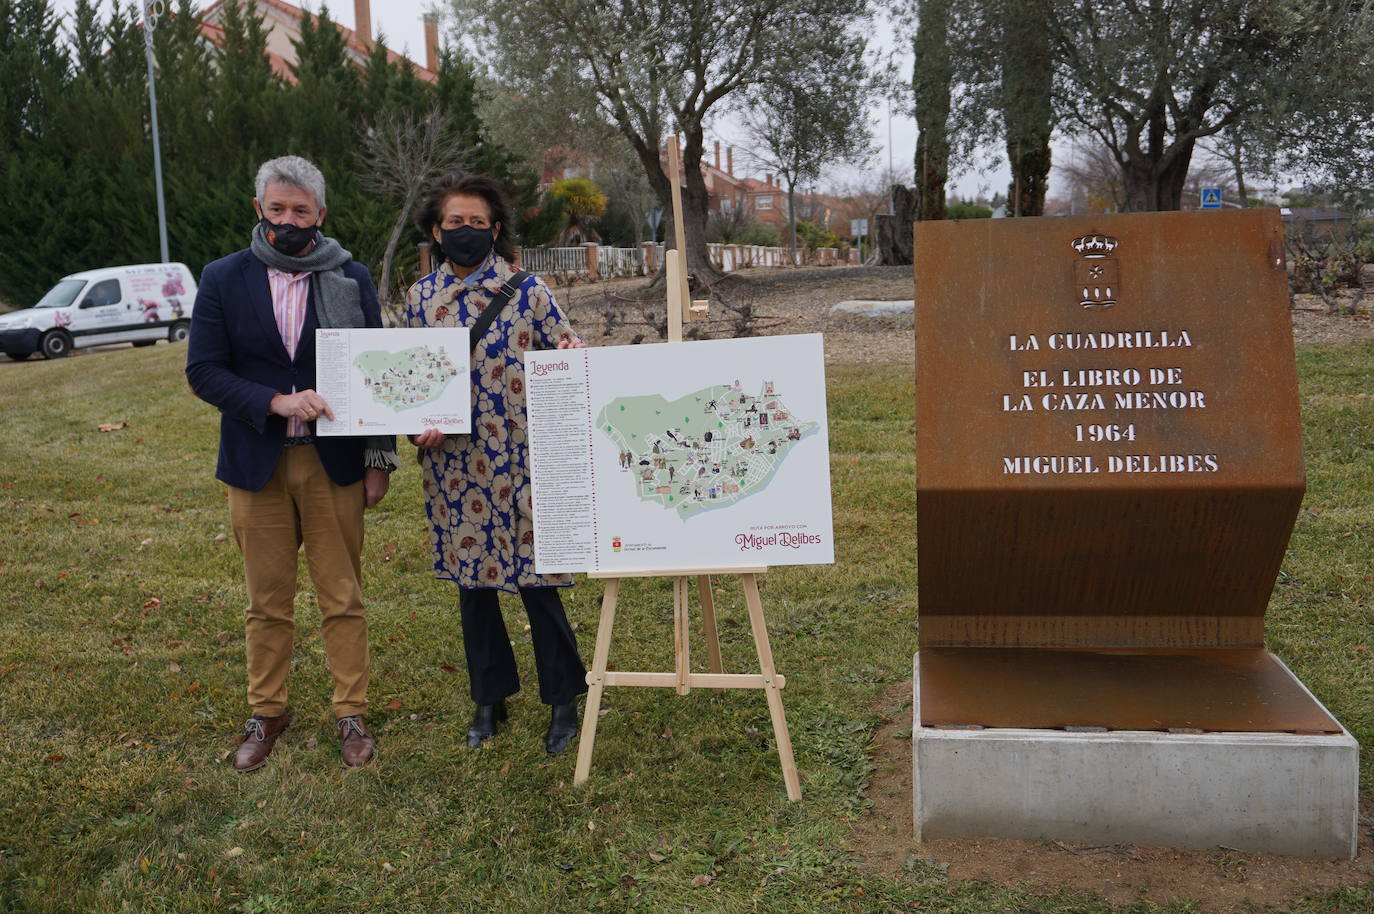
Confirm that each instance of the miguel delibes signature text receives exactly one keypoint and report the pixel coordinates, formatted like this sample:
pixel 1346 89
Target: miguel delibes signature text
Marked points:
pixel 784 538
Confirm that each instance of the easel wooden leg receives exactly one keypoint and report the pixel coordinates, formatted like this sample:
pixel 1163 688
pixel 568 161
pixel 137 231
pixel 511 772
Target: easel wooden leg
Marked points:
pixel 596 678
pixel 682 660
pixel 708 623
pixel 770 687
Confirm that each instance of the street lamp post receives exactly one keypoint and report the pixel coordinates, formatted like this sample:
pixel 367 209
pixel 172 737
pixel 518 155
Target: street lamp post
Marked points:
pixel 151 11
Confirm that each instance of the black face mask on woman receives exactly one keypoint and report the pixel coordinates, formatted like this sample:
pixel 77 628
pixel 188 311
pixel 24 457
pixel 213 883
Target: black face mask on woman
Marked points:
pixel 287 238
pixel 467 246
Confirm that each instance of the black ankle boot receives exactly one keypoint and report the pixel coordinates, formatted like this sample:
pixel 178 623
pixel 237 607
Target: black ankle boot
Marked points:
pixel 484 721
pixel 562 727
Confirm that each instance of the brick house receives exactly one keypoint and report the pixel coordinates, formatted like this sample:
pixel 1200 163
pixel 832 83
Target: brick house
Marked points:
pixel 281 21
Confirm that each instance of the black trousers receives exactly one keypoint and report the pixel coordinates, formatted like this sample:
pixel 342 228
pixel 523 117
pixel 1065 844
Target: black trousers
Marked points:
pixel 491 662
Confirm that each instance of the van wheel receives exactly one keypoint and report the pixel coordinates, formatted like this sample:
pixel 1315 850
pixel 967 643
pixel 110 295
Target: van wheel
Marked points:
pixel 56 344
pixel 179 332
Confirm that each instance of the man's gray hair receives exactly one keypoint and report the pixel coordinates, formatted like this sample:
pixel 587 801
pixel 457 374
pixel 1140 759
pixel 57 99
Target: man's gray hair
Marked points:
pixel 294 172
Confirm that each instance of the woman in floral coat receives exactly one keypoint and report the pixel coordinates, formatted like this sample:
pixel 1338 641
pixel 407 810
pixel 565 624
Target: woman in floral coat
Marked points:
pixel 477 487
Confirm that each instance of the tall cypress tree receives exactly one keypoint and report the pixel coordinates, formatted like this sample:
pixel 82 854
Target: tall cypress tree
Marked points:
pixel 1027 75
pixel 931 79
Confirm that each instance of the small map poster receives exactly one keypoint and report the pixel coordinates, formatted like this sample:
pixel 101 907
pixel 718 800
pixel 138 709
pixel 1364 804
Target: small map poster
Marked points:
pixel 394 381
pixel 709 454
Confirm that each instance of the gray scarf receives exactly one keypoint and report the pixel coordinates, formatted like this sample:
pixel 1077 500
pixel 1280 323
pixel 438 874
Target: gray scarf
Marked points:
pixel 337 300
pixel 338 305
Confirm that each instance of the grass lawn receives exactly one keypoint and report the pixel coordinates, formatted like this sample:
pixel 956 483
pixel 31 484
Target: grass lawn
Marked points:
pixel 121 686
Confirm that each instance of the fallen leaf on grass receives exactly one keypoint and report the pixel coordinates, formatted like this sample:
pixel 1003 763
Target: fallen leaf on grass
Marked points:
pixel 174 667
pixel 221 537
pixel 506 767
pixel 702 880
pixel 234 852
pixel 150 604
pixel 448 668
pixel 656 857
pixel 113 426
pixel 222 638
pixel 393 704
pixel 56 758
pixel 9 669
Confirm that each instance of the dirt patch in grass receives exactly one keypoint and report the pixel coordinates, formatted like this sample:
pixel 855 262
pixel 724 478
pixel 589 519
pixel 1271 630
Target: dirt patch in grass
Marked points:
pixel 1216 880
pixel 754 302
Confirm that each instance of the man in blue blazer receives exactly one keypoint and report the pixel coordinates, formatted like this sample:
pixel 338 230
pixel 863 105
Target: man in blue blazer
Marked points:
pixel 252 355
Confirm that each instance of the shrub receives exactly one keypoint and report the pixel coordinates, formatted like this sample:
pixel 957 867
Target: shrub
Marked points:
pixel 957 210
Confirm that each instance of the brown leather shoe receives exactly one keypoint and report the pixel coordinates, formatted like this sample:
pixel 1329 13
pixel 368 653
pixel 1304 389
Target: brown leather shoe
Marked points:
pixel 256 742
pixel 356 745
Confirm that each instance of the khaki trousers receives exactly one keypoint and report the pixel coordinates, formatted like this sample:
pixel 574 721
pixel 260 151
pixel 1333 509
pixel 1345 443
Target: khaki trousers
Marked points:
pixel 300 505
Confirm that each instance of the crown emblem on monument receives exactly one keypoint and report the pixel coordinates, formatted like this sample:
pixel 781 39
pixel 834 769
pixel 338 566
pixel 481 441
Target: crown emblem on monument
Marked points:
pixel 1097 277
pixel 1095 245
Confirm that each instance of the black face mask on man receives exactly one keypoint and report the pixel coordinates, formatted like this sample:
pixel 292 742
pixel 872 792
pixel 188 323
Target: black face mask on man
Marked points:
pixel 287 238
pixel 467 246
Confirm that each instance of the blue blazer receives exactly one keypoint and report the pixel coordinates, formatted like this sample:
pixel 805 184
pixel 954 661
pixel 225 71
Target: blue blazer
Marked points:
pixel 237 362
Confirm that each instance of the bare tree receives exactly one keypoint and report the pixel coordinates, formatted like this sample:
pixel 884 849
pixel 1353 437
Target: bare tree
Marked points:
pixel 1093 179
pixel 400 154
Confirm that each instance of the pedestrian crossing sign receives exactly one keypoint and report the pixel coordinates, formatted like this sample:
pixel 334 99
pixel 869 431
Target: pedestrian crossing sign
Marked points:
pixel 1211 198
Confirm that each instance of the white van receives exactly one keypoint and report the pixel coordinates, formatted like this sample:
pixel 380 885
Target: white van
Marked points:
pixel 137 304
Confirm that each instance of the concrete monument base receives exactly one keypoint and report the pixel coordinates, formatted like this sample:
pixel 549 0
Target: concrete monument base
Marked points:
pixel 1281 793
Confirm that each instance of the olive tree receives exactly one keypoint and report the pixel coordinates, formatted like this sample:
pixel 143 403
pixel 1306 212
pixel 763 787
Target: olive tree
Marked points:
pixel 1150 78
pixel 654 66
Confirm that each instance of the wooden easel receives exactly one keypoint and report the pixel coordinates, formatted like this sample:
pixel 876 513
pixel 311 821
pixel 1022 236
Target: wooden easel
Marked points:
pixel 682 679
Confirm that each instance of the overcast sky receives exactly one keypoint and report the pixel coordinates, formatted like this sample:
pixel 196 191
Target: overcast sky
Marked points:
pixel 401 22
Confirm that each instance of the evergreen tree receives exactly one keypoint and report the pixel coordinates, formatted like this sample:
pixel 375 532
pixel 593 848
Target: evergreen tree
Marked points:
pixel 326 102
pixel 931 85
pixel 1026 79
pixel 245 97
pixel 33 72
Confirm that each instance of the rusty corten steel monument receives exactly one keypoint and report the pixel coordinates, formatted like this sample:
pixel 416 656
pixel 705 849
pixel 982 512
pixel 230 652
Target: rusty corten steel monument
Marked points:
pixel 1109 467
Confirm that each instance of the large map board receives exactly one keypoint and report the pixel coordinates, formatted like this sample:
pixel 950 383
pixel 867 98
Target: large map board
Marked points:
pixel 394 381
pixel 680 456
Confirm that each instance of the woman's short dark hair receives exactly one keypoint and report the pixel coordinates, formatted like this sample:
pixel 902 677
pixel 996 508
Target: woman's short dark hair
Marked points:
pixel 468 185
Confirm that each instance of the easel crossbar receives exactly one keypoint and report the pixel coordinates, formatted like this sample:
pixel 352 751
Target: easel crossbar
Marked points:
pixel 696 680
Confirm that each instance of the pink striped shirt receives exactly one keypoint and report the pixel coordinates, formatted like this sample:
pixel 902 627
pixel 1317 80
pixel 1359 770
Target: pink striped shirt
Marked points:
pixel 290 295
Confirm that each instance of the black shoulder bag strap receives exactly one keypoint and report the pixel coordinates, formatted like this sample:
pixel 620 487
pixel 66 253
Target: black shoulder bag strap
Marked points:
pixel 497 305
pixel 483 324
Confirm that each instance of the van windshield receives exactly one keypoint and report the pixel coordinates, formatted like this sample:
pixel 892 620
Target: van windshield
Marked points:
pixel 62 294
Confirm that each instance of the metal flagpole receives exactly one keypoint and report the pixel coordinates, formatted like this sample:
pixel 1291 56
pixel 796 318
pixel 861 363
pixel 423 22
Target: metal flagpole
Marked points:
pixel 151 11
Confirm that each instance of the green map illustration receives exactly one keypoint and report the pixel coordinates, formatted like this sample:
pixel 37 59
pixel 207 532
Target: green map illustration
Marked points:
pixel 406 379
pixel 707 450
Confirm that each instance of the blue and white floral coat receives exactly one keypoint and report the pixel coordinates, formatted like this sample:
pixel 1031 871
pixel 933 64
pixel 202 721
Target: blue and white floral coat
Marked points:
pixel 477 487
